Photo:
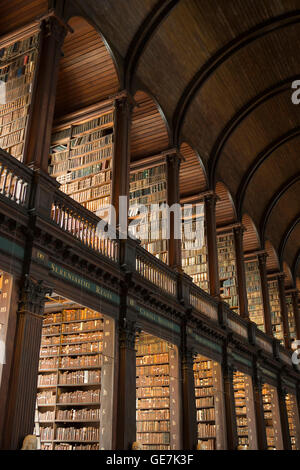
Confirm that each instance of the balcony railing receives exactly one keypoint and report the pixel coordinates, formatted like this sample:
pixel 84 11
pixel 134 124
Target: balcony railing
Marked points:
pixel 202 304
pixel 155 271
pixel 82 224
pixel 75 220
pixel 15 179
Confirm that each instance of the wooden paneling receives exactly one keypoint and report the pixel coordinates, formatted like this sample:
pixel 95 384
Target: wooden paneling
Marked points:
pixel 87 72
pixel 225 212
pixel 16 13
pixel 149 133
pixel 192 176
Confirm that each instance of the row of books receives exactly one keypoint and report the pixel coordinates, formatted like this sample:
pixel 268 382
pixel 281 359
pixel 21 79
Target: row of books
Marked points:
pixel 80 396
pixel 81 361
pixel 70 315
pixel 17 48
pixel 80 414
pixel 162 358
pixel 93 181
pixel 277 326
pixel 239 386
pixel 254 295
pixel 92 193
pixel 66 164
pixel 88 433
pixel 268 400
pixel 153 402
pixel 72 339
pixel 63 446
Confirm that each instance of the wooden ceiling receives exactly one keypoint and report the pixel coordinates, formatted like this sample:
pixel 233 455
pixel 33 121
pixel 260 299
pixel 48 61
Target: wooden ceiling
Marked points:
pixel 221 72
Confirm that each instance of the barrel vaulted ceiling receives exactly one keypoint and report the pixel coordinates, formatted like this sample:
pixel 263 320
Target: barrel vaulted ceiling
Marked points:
pixel 221 72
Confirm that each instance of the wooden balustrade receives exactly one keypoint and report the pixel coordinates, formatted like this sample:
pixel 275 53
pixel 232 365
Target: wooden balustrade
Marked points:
pixel 264 342
pixel 82 224
pixel 202 304
pixel 155 271
pixel 15 179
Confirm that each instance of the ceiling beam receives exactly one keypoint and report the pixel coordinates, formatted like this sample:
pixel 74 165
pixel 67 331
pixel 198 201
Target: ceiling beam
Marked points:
pixel 142 37
pixel 274 200
pixel 286 236
pixel 259 160
pixel 223 54
pixel 239 117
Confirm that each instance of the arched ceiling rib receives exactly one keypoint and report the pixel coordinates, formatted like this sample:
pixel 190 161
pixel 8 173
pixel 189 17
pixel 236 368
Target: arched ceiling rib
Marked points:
pixel 221 71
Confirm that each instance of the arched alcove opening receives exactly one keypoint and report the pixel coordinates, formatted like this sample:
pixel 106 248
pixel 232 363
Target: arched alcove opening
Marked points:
pixel 192 177
pixel 225 209
pixel 87 73
pixel 251 241
pixel 289 281
pixel 149 130
pixel 273 264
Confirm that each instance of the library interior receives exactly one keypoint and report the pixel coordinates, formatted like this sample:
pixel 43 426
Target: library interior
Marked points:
pixel 148 341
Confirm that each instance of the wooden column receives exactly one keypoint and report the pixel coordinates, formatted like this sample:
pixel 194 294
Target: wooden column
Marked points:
pixel 189 421
pixel 123 104
pixel 173 197
pixel 296 313
pixel 262 259
pixel 281 390
pixel 284 312
pixel 240 271
pixel 53 32
pixel 232 437
pixel 259 410
pixel 211 239
pixel 126 406
pixel 19 419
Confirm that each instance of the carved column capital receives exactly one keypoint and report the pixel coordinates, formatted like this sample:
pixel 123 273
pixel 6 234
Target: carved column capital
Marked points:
pixel 127 334
pixel 52 26
pixel 262 258
pixel 32 296
pixel 124 101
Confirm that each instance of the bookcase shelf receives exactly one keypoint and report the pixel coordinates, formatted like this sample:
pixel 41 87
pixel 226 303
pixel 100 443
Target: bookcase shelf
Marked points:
pixel 71 393
pixel 81 159
pixel 149 186
pixel 209 403
pixel 227 269
pixel 291 317
pixel 194 252
pixel 155 392
pixel 277 325
pixel 17 71
pixel 244 410
pixel 293 420
pixel 254 294
pixel 269 411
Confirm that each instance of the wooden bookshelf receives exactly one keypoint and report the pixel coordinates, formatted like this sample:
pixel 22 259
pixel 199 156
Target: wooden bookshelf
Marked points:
pixel 254 293
pixel 149 186
pixel 17 70
pixel 156 393
pixel 277 325
pixel 209 404
pixel 291 316
pixel 194 252
pixel 227 270
pixel 272 418
pixel 293 420
pixel 244 410
pixel 74 368
pixel 81 159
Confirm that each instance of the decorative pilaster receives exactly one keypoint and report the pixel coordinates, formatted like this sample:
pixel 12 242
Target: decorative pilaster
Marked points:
pixel 53 32
pixel 282 392
pixel 19 420
pixel 211 240
pixel 296 313
pixel 259 409
pixel 284 312
pixel 173 160
pixel 126 389
pixel 228 370
pixel 123 104
pixel 189 422
pixel 262 260
pixel 240 269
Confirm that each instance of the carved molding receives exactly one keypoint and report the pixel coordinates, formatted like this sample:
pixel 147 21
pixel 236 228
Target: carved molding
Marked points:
pixel 33 295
